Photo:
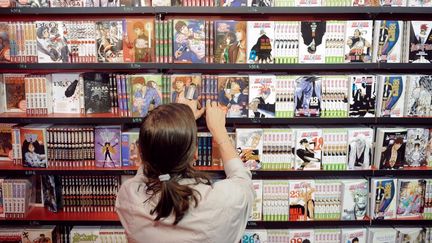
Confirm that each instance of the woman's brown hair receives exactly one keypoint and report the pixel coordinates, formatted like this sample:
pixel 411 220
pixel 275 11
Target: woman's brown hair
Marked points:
pixel 168 142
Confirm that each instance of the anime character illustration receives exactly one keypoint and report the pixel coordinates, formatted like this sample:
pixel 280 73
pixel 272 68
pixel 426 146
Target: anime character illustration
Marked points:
pixel 420 97
pixel 362 102
pixel 359 152
pixel 234 3
pixel 4 43
pixel 134 154
pixel 233 95
pixel 189 41
pixel 138 42
pixel 249 148
pixel 40 239
pixel 359 47
pixel 107 139
pixel 411 198
pixel 392 93
pixel 307 96
pixel 109 42
pixel 393 153
pixel 262 97
pixel 146 96
pixel 230 42
pixel 261 51
pixel 417 139
pixel 358 211
pixel 33 3
pixel 33 151
pixel 312 34
pixel 185 87
pixel 420 50
pixel 49 192
pixel 260 3
pixel 306 153
pixel 389 35
pixel 385 194
pixel 51 42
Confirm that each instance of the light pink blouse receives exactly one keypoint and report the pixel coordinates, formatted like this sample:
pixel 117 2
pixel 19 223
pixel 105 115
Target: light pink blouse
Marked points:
pixel 221 215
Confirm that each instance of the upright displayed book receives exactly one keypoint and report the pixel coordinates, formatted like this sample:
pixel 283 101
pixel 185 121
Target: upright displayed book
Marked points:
pixel 411 234
pixel 358 41
pixel 254 236
pixel 390 148
pixel 297 235
pixel 107 146
pixel 362 96
pixel 185 87
pixel 138 39
pixel 97 98
pixel 109 41
pixel 256 214
pixel 419 3
pixel 262 96
pixel 85 234
pixel 307 96
pixel 14 92
pixel 233 3
pixel 249 144
pixel 230 41
pixel 391 96
pixel 51 42
pixel 66 92
pixel 34 146
pixel 129 148
pixel 312 47
pixel 388 41
pixel 189 41
pixel 415 152
pixel 355 235
pixel 334 151
pixel 419 42
pixel 360 148
pixel 383 198
pixel 5 46
pixel 233 94
pixel 301 200
pixel 377 235
pixel 418 96
pixel 411 198
pixel 335 96
pixel 145 93
pixel 308 148
pixel 6 149
pixel 260 41
pixel 355 199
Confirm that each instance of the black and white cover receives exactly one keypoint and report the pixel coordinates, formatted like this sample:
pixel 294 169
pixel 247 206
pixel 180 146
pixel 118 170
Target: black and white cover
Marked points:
pixel 262 96
pixel 358 41
pixel 66 92
pixel 415 153
pixel 308 148
pixel 312 47
pixel 96 93
pixel 419 96
pixel 362 96
pixel 419 42
pixel 390 148
pixel 391 95
pixel 307 96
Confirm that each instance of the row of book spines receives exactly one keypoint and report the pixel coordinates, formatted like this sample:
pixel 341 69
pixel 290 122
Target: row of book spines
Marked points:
pixel 16 197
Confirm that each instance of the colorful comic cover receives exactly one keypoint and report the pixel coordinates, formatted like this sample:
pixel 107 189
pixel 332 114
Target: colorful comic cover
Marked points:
pixel 66 92
pixel 384 198
pixel 5 43
pixel 415 152
pixel 419 3
pixel 262 96
pixel 230 37
pixel 255 236
pixel 260 38
pixel 146 93
pixel 355 197
pixel 129 148
pixel 34 147
pixel 6 152
pixel 308 149
pixel 307 96
pixel 360 148
pixel 301 200
pixel 358 40
pixel 189 41
pixel 249 144
pixel 109 41
pixel 419 46
pixel 388 39
pixel 312 47
pixel 362 96
pixel 429 149
pixel 302 235
pixel 256 214
pixel 14 92
pixel 139 43
pixel 391 95
pixel 185 87
pixel 411 198
pixel 107 146
pixel 51 42
pixel 233 94
pixel 391 146
pixel 418 96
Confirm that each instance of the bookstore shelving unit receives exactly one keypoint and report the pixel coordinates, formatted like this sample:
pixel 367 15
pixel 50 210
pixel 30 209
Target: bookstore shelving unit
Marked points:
pixel 42 216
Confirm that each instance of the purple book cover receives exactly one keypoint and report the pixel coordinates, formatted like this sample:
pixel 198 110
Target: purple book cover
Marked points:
pixel 107 146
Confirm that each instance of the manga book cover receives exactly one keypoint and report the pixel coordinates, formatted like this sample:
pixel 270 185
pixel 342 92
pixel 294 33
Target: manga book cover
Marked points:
pixel 384 198
pixel 189 41
pixel 135 3
pixel 260 3
pixel 31 4
pixel 233 3
pixel 6 152
pixel 391 144
pixel 419 44
pixel 255 236
pixel 66 92
pixel 301 200
pixel 81 41
pixel 49 192
pixel 107 146
pixel 362 96
pixel 129 148
pixel 233 95
pixel 355 197
pixel 256 214
pixel 360 148
pixel 260 38
pixel 146 93
pixel 262 96
pixel 138 40
pixel 73 3
pixel 392 95
pixel 109 41
pixel 308 149
pixel 312 47
pixel 160 3
pixel 51 42
pixel 230 38
pixel 14 92
pixel 419 3
pixel 4 42
pixel 415 152
pixel 358 40
pixel 249 144
pixel 429 149
pixel 415 235
pixel 96 93
pixel 307 96
pixel 393 3
pixel 354 235
pixel 185 87
pixel 418 97
pixel 411 198
pixel 388 41
pixel 299 235
pixel 109 3
pixel 33 147
pixel 38 234
pixel 386 235
pixel 84 234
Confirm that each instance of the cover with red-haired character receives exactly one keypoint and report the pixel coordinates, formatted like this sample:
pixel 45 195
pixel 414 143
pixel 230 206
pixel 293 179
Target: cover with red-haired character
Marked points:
pixel 138 40
pixel 262 96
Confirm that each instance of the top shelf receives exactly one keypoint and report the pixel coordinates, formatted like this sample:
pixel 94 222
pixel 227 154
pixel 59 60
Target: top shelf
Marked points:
pixel 218 10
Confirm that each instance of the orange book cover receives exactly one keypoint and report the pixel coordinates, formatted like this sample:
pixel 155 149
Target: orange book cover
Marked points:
pixel 139 42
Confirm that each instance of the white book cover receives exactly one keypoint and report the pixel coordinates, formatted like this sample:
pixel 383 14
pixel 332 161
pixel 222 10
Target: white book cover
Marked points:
pixel 355 199
pixel 85 234
pixel 419 42
pixel 260 3
pixel 383 235
pixel 360 148
pixel 358 41
pixel 383 199
pixel 301 200
pixel 262 96
pixel 388 41
pixel 417 141
pixel 255 236
pixel 66 92
pixel 308 96
pixel 313 38
pixel 354 235
pixel 418 96
pixel 256 214
pixel 391 95
pixel 51 42
pixel 249 144
pixel 411 198
pixel 260 40
pixel 308 3
pixel 362 96
pixel 301 235
pixel 308 149
pixel 411 235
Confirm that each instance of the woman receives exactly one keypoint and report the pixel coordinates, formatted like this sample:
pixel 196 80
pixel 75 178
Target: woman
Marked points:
pixel 168 200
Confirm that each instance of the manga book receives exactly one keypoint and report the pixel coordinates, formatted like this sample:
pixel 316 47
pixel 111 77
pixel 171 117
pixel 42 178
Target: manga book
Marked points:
pixel 377 235
pixel 360 148
pixel 334 96
pixel 383 198
pixel 419 42
pixel 362 97
pixel 107 146
pixel 233 95
pixel 418 96
pixel 411 198
pixel 260 38
pixel 415 235
pixel 129 148
pixel 429 150
pixel 66 92
pixel 391 146
pixel 73 3
pixel 81 41
pixel 355 200
pixel 230 37
pixel 138 40
pixel 4 42
pixel 255 236
pixel 388 39
pixel 249 144
pixel 312 47
pixel 189 41
pixel 307 96
pixel 334 151
pixel 85 234
pixel 308 149
pixel 51 42
pixel 419 3
pixel 256 214
pixel 260 3
pixel 45 234
pixel 234 3
pixel 50 192
pixel 97 98
pixel 109 41
pixel 135 3
pixel 31 4
pixel 262 96
pixel 391 96
pixel 415 152
pixel 6 151
pixel 185 87
pixel 299 235
pixel 14 90
pixel 393 3
pixel 358 40
pixel 146 93
pixel 34 147
pixel 301 200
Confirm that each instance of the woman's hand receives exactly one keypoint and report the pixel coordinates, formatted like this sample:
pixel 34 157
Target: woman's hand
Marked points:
pixel 193 104
pixel 215 118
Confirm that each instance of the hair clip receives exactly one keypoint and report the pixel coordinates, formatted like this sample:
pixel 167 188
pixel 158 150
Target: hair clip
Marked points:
pixel 164 177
